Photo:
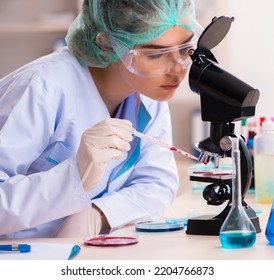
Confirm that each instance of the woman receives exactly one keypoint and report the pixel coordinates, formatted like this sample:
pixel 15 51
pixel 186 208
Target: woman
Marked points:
pixel 69 165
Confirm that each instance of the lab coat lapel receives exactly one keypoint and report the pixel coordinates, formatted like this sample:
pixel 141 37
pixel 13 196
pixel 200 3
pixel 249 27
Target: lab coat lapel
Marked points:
pixel 135 111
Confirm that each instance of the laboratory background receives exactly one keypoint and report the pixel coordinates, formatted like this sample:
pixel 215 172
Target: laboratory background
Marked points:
pixel 32 28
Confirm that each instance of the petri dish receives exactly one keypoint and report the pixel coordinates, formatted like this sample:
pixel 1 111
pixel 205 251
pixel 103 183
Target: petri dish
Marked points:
pixel 171 220
pixel 111 241
pixel 159 227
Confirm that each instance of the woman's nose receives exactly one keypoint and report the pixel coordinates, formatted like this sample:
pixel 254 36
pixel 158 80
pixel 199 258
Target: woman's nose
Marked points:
pixel 177 66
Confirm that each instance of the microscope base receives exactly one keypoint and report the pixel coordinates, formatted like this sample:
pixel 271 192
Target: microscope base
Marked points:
pixel 211 225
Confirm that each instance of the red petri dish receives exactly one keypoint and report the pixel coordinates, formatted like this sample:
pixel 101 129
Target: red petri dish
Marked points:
pixel 112 241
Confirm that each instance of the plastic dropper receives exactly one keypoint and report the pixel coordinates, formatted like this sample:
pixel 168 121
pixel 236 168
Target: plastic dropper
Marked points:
pixel 161 143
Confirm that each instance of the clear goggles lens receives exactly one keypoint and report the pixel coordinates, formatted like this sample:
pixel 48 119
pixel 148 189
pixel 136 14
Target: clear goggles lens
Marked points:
pixel 157 62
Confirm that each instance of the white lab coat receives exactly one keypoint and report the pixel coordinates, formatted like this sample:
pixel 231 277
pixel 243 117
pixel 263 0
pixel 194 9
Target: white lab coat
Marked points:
pixel 44 108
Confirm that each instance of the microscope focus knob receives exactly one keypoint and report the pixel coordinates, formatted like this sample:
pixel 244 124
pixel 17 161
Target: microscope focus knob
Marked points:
pixel 226 143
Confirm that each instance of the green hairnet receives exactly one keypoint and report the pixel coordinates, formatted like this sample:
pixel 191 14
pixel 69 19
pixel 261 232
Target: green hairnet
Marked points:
pixel 124 23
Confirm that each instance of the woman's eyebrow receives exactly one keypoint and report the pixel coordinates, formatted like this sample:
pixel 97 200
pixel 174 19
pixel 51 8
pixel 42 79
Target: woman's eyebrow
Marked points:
pixel 153 46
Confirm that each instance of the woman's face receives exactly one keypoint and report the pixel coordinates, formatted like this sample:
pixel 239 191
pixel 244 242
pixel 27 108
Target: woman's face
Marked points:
pixel 160 88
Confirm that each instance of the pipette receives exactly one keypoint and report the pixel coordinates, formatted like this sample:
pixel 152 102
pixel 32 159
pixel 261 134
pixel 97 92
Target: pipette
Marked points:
pixel 161 143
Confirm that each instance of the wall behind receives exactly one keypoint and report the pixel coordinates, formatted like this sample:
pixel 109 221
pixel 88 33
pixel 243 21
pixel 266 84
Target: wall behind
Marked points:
pixel 30 29
pixel 250 43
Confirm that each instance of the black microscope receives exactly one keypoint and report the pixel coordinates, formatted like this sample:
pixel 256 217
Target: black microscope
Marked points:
pixel 224 99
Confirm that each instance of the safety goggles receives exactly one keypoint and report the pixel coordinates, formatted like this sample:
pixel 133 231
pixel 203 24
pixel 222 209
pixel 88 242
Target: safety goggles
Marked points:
pixel 146 62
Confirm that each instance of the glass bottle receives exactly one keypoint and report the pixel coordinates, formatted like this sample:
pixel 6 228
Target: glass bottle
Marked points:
pixel 237 230
pixel 263 163
pixel 269 231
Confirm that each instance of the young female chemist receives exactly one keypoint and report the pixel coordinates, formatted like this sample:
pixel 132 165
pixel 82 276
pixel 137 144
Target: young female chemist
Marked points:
pixel 69 165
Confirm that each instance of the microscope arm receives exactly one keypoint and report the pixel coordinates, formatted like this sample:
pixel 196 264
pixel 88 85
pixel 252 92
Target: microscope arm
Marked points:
pixel 246 167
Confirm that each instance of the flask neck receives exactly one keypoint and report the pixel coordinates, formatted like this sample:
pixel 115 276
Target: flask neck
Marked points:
pixel 236 181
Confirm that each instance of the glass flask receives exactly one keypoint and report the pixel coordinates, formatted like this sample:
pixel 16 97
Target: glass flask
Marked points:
pixel 269 231
pixel 237 230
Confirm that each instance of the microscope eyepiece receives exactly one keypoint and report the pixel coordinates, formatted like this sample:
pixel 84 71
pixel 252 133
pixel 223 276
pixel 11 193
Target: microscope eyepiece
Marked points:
pixel 224 97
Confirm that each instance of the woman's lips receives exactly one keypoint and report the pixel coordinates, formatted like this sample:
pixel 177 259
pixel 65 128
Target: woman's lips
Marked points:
pixel 170 87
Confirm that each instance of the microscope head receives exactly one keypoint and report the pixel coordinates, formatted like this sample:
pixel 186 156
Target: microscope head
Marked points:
pixel 224 98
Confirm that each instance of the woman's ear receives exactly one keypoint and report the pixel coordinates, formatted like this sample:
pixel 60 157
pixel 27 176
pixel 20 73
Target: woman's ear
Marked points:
pixel 103 42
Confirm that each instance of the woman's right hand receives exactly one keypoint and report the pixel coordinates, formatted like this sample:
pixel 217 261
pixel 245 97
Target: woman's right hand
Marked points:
pixel 104 141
